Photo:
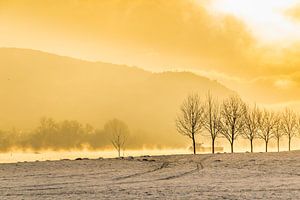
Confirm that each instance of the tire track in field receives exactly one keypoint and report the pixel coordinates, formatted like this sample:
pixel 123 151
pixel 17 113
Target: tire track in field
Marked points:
pixel 181 175
pixel 199 167
pixel 164 165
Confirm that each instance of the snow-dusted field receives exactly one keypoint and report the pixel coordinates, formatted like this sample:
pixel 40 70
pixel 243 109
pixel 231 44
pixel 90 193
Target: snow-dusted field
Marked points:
pixel 220 176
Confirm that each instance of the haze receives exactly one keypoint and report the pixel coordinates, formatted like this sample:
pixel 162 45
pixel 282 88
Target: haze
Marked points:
pixel 230 47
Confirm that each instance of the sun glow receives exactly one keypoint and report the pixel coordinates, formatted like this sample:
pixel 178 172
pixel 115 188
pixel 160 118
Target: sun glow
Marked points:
pixel 266 19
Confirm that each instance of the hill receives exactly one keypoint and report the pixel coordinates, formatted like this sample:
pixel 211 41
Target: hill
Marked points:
pixel 34 84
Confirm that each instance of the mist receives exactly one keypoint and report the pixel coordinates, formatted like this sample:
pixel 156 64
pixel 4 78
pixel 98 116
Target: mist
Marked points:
pixel 72 135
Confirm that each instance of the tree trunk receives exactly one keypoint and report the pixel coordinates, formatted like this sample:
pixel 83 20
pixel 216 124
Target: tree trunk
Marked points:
pixel 194 144
pixel 251 143
pixel 232 138
pixel 278 144
pixel 213 146
pixel 266 146
pixel 119 153
pixel 290 143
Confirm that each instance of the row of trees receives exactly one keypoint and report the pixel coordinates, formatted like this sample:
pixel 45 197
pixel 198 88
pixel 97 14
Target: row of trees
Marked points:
pixel 71 134
pixel 66 135
pixel 232 118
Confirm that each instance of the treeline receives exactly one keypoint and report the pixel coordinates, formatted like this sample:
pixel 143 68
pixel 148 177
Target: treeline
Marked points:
pixel 59 135
pixel 232 118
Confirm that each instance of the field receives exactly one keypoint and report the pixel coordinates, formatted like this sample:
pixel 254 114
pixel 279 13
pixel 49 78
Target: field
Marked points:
pixel 206 176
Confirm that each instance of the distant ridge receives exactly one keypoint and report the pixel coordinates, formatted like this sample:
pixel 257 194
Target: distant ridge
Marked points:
pixel 35 84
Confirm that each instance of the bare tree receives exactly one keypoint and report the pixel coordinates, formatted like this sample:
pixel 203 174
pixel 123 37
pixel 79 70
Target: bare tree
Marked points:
pixel 252 121
pixel 232 121
pixel 267 126
pixel 212 119
pixel 278 132
pixel 189 122
pixel 118 132
pixel 289 125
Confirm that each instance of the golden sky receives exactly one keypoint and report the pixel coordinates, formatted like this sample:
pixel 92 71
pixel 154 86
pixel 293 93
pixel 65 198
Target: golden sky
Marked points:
pixel 251 46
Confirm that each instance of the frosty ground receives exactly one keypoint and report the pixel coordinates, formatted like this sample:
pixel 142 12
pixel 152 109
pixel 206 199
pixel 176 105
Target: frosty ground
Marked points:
pixel 206 176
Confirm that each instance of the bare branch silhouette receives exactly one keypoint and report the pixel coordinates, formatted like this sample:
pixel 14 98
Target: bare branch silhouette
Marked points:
pixel 252 122
pixel 118 132
pixel 212 119
pixel 289 125
pixel 267 125
pixel 233 111
pixel 189 122
pixel 278 132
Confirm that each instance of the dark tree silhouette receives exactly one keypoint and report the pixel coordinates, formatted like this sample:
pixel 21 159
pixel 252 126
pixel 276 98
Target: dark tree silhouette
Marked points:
pixel 267 125
pixel 232 121
pixel 189 121
pixel 278 132
pixel 212 119
pixel 252 121
pixel 118 132
pixel 289 125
